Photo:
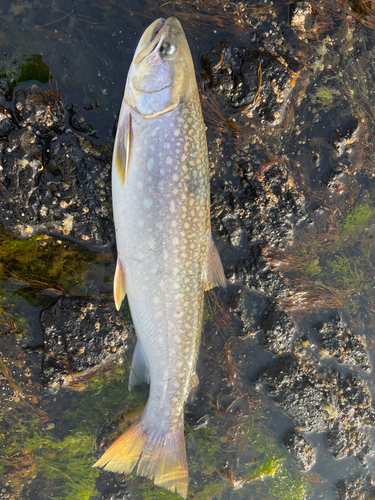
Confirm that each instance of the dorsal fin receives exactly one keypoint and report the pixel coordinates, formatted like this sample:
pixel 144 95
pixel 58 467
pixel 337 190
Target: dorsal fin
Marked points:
pixel 122 149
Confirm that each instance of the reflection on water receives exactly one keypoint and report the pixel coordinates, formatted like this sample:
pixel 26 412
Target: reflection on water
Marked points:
pixel 283 409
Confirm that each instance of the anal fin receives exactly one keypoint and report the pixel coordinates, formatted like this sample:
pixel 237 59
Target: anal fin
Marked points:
pixel 213 267
pixel 119 284
pixel 139 372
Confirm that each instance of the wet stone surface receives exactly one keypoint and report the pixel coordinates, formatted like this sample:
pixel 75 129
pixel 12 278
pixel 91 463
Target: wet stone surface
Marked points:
pixel 54 181
pixel 358 487
pixel 40 110
pixel 80 335
pixel 320 398
pixel 337 340
pixel 278 329
pixel 251 78
pixel 299 449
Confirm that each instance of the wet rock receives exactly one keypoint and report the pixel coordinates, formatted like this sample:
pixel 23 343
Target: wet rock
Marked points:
pixel 80 335
pixel 78 122
pixel 301 17
pixel 358 487
pixel 323 400
pixel 42 110
pixel 67 194
pixel 278 329
pixel 256 78
pixel 342 141
pixel 338 341
pixel 50 180
pixel 6 121
pixel 216 64
pixel 301 452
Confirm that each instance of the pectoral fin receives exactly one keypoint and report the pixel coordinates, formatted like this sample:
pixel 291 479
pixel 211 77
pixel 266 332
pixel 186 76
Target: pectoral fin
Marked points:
pixel 119 284
pixel 122 149
pixel 213 267
pixel 139 372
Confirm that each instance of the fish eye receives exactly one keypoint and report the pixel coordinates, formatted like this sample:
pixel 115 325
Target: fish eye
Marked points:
pixel 167 49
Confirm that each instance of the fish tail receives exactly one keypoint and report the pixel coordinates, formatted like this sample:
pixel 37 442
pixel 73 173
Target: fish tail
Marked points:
pixel 161 455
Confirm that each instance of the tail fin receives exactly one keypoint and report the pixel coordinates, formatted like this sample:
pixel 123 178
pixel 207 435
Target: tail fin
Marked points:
pixel 161 456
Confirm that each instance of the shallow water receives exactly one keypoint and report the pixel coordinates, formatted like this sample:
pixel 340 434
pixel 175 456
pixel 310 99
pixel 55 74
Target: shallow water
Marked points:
pixel 234 429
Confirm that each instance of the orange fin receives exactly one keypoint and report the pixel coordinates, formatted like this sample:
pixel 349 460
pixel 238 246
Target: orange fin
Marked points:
pixel 119 284
pixel 213 267
pixel 161 456
pixel 121 152
pixel 139 372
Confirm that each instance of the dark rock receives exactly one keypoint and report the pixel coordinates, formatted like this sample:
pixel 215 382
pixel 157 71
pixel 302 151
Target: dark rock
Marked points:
pixel 6 121
pixel 358 488
pixel 80 335
pixel 42 110
pixel 256 78
pixel 323 400
pixel 68 193
pixel 78 122
pixel 278 328
pixel 345 346
pixel 301 452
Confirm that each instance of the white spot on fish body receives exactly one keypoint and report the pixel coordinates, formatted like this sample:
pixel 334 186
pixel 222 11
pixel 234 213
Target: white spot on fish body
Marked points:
pixel 147 203
pixel 168 160
pixel 174 223
pixel 176 132
pixel 140 184
pixel 156 300
pixel 152 147
pixel 150 164
pixel 175 241
pixel 155 131
pixel 172 206
pixel 175 177
pixel 167 145
pixel 141 223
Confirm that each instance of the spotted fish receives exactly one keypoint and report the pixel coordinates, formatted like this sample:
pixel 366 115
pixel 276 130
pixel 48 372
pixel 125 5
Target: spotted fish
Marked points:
pixel 166 255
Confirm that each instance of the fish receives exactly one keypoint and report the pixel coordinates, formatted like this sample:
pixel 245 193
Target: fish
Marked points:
pixel 166 255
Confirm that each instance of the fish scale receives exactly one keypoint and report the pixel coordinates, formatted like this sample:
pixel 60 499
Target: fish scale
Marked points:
pixel 166 255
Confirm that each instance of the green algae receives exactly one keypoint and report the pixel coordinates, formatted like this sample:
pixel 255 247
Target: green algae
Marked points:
pixel 272 465
pixel 63 465
pixel 312 268
pixel 206 455
pixel 324 94
pixel 43 262
pixel 29 68
pixel 346 272
pixel 357 217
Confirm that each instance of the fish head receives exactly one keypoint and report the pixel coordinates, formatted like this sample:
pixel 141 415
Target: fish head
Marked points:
pixel 161 75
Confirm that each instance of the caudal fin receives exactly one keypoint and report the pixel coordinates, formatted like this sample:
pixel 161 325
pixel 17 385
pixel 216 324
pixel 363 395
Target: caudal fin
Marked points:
pixel 161 455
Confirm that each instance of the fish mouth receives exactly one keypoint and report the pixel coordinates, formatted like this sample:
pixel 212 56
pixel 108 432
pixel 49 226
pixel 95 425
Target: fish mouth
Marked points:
pixel 150 40
pixel 160 23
